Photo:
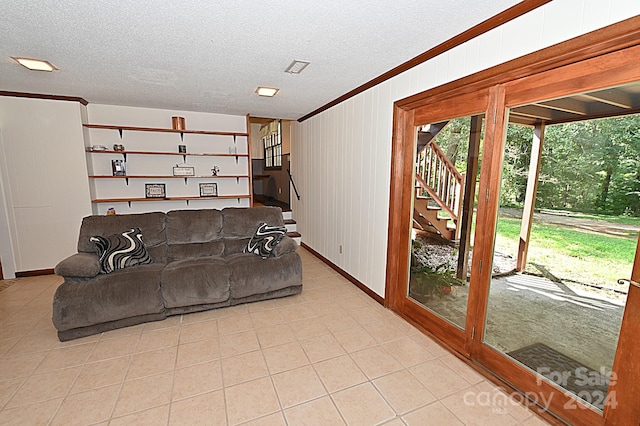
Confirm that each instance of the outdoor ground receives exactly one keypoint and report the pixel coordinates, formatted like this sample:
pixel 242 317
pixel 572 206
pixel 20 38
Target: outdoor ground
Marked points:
pixel 577 319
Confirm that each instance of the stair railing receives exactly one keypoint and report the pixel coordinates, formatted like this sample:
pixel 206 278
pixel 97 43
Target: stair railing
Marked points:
pixel 438 176
pixel 293 184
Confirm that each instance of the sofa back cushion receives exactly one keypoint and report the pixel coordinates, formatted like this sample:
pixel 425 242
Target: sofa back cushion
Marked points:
pixel 194 233
pixel 152 226
pixel 241 223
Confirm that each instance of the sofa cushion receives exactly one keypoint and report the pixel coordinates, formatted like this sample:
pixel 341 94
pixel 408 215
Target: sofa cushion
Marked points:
pixel 241 224
pixel 195 282
pixel 120 251
pixel 109 297
pixel 151 224
pixel 265 239
pixel 252 275
pixel 194 233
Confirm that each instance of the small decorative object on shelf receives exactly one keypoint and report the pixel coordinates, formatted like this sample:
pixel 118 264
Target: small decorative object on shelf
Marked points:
pixel 184 170
pixel 97 148
pixel 118 147
pixel 118 168
pixel 155 190
pixel 182 149
pixel 233 150
pixel 215 170
pixel 208 189
pixel 111 210
pixel 177 123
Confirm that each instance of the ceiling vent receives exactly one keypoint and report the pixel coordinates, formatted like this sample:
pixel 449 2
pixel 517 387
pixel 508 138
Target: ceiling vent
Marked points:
pixel 296 67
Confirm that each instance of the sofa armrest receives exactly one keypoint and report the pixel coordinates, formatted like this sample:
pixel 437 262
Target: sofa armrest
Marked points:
pixel 286 245
pixel 83 265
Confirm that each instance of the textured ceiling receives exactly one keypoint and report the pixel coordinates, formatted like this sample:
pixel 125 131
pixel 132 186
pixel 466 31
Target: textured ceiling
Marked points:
pixel 203 55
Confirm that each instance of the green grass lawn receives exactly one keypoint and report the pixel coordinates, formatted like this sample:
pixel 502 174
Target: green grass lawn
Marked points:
pixel 569 253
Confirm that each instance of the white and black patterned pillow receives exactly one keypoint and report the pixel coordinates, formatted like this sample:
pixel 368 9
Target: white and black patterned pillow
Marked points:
pixel 265 240
pixel 119 251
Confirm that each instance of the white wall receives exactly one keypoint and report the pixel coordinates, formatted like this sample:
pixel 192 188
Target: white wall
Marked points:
pixel 100 164
pixel 43 179
pixel 341 158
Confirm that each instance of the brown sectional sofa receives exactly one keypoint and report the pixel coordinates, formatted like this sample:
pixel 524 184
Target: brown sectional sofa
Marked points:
pixel 197 264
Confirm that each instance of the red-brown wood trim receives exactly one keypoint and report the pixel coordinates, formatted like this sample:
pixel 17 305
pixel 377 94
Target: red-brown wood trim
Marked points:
pixel 614 37
pixel 250 171
pixel 34 273
pixel 345 274
pixel 43 96
pixel 513 12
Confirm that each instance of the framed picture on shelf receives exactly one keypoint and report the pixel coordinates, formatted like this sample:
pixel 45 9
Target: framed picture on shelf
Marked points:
pixel 208 189
pixel 118 168
pixel 155 190
pixel 184 171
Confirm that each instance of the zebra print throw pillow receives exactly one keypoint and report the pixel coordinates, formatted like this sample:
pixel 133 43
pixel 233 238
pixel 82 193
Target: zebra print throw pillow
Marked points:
pixel 265 240
pixel 119 251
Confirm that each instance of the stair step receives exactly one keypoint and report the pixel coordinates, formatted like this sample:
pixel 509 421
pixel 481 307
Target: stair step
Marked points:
pixel 294 234
pixel 287 215
pixel 289 221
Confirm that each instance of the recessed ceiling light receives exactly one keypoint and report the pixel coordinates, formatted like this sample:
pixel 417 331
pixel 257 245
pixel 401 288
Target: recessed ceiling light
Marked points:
pixel 296 67
pixel 267 91
pixel 35 64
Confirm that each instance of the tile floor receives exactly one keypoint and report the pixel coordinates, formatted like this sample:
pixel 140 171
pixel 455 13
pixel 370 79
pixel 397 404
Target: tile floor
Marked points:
pixel 329 356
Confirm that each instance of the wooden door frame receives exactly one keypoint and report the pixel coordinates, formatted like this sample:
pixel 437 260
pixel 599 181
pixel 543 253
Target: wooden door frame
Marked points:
pixel 603 58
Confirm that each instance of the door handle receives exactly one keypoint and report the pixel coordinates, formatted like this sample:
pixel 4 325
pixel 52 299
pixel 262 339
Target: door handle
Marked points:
pixel 630 282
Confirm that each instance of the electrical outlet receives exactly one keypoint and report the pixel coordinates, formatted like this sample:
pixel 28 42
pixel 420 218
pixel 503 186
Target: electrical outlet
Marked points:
pixel 279 190
pixel 340 248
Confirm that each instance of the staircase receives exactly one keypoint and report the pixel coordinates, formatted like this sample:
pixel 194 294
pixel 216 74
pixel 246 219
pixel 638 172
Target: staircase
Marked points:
pixel 291 226
pixel 439 186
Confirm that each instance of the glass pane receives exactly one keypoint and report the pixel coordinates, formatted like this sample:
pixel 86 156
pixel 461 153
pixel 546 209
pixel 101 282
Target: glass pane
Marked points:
pixel 443 216
pixel 555 304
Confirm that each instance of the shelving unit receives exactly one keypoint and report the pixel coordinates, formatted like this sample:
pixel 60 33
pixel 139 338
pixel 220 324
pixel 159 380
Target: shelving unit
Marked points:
pixel 105 193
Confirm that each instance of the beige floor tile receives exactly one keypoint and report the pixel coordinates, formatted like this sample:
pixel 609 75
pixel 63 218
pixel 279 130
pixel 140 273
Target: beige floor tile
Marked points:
pixel 384 332
pixel 275 335
pixel 296 386
pixel 197 379
pixel 339 373
pixel 376 362
pixel 355 339
pixel 317 412
pixel 367 315
pixel 45 386
pixel 235 324
pixel 434 414
pixel 8 388
pixel 7 343
pixel 251 400
pixel 438 378
pixel 230 311
pixel 429 344
pixel 267 318
pixel 509 403
pixel 243 368
pixel 87 407
pixel 322 347
pixel 152 363
pixel 297 312
pixel 197 352
pixel 20 366
pixel 201 316
pixel 306 329
pixel 285 357
pixel 153 416
pixel 33 343
pixel 534 421
pixel 403 391
pixel 115 347
pixel 145 393
pixel 262 305
pixel 464 370
pixel 158 338
pixel 362 405
pixel 121 332
pixel 102 373
pixel 474 406
pixel 33 415
pixel 198 331
pixel 408 352
pixel 66 357
pixel 338 320
pixel 207 409
pixel 275 419
pixel 238 343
